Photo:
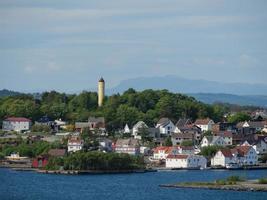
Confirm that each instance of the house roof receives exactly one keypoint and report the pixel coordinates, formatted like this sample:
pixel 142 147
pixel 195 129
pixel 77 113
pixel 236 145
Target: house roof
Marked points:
pixel 187 147
pixel 139 125
pixel 96 120
pixel 190 128
pixel 177 156
pixel 183 122
pixel 241 150
pixel 163 148
pixel 17 119
pixel 227 153
pixel 75 140
pixel 127 142
pixel 224 134
pixel 163 121
pixel 252 124
pixel 57 152
pixel 82 125
pixel 183 135
pixel 212 139
pixel 202 121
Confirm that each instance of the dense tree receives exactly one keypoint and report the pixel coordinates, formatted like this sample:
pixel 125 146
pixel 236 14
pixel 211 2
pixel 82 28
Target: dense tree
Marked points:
pixel 168 142
pixel 131 106
pixel 238 117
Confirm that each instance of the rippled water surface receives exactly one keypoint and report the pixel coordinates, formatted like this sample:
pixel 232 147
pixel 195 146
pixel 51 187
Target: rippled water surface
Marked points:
pixel 31 185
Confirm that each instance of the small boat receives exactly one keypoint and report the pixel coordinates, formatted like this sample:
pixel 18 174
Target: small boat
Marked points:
pixel 233 166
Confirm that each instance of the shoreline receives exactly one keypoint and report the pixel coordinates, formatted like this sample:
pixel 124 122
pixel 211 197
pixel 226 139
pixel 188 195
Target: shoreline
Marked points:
pixel 246 186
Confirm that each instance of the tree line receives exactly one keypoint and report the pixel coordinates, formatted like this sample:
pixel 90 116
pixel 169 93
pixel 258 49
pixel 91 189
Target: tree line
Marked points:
pixel 118 109
pixel 96 160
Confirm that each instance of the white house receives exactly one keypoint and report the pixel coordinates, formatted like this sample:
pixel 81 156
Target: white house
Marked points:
pixel 204 124
pixel 186 161
pixel 166 126
pixel 227 136
pixel 18 124
pixel 75 144
pixel 212 141
pixel 261 146
pixel 222 158
pixel 246 155
pixel 126 129
pixel 136 128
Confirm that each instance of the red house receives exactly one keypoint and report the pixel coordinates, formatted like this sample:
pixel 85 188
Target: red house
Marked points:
pixel 40 162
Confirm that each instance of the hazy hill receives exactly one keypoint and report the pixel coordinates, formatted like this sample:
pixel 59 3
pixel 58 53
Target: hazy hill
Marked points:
pixel 253 100
pixel 181 85
pixel 5 92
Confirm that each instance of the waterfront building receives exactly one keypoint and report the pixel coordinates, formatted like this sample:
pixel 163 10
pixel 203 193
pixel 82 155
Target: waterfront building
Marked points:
pixel 186 161
pixel 240 155
pixel 19 124
pixel 223 158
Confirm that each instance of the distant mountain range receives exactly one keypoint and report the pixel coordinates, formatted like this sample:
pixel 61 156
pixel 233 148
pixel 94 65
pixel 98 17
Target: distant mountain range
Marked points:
pixel 5 92
pixel 243 100
pixel 202 90
pixel 182 85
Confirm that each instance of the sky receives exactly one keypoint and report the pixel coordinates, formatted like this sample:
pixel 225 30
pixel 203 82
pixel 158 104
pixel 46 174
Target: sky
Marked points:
pixel 68 45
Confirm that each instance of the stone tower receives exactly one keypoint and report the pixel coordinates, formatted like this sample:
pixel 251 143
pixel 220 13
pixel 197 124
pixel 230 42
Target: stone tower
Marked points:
pixel 101 91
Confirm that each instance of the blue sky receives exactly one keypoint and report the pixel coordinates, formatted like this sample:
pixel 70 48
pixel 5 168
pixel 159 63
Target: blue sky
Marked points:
pixel 68 45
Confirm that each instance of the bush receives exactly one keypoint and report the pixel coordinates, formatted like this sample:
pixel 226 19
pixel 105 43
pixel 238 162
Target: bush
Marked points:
pixel 220 182
pixel 262 181
pixel 234 179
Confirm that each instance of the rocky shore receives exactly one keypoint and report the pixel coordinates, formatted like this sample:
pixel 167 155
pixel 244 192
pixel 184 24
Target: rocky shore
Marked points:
pixel 250 185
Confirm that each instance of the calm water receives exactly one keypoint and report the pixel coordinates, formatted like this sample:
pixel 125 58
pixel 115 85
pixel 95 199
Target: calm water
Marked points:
pixel 30 185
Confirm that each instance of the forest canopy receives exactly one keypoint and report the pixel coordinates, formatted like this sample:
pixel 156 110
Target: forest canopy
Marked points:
pixel 118 109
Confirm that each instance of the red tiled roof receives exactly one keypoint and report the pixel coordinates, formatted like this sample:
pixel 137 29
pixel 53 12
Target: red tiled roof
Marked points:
pixel 227 153
pixel 178 156
pixel 17 119
pixel 163 148
pixel 242 150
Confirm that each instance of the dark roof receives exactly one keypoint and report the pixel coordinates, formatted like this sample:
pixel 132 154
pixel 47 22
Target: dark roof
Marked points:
pixel 164 121
pixel 183 135
pixel 101 80
pixel 183 122
pixel 127 142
